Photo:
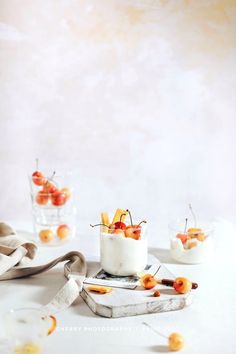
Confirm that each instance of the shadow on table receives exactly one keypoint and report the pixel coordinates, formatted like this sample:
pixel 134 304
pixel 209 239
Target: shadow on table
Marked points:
pixel 48 284
pixel 93 268
pixel 159 349
pixel 163 255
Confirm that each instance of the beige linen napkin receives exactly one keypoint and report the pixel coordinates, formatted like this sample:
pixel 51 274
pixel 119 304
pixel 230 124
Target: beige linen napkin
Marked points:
pixel 14 249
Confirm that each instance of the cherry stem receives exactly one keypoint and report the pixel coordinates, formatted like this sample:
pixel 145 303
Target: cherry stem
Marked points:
pixel 185 227
pixel 121 216
pixel 194 216
pixel 131 221
pixel 50 178
pixel 154 330
pixel 99 225
pixel 53 175
pixel 141 222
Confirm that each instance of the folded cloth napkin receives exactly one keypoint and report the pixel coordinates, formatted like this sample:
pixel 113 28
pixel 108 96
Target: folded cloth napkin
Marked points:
pixel 14 249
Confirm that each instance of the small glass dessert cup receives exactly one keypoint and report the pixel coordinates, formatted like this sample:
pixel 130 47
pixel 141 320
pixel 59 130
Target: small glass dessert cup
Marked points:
pixel 123 252
pixel 27 329
pixel 54 229
pixel 53 207
pixel 190 246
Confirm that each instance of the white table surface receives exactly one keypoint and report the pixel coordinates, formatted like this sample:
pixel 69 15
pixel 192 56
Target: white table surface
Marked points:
pixel 208 325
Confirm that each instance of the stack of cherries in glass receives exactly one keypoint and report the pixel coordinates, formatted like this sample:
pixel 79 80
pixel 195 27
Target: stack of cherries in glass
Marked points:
pixel 49 192
pixel 53 209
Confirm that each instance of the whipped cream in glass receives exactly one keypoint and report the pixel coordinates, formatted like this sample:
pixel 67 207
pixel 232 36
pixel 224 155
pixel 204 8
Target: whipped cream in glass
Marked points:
pixel 196 248
pixel 123 256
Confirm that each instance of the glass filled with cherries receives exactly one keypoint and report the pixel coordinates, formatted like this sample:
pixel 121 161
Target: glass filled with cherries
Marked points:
pixel 53 207
pixel 190 240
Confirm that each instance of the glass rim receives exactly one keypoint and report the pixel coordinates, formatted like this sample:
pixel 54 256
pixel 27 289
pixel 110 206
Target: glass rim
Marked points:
pixel 56 179
pixel 143 233
pixel 14 312
pixel 61 173
pixel 21 309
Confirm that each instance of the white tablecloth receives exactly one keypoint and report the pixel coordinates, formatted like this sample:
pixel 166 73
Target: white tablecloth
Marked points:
pixel 208 325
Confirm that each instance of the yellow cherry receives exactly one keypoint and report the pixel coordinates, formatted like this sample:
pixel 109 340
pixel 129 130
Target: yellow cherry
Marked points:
pixel 175 342
pixel 46 235
pixel 63 231
pixel 67 192
pixel 182 285
pixel 148 281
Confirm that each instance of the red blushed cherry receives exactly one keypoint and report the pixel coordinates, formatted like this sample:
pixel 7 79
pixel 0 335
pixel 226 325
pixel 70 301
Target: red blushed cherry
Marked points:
pixel 67 192
pixel 120 225
pixel 183 237
pixel 50 187
pixel 42 198
pixel 133 231
pixel 182 285
pixel 58 198
pixel 148 281
pixel 63 231
pixel 38 178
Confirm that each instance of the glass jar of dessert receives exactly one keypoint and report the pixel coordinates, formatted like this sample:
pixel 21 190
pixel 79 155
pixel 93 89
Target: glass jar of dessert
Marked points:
pixel 123 246
pixel 190 243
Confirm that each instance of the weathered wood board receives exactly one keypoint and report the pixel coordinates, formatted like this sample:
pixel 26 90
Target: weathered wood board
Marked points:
pixel 130 302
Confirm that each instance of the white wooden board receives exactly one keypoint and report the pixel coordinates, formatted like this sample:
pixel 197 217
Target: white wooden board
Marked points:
pixel 127 302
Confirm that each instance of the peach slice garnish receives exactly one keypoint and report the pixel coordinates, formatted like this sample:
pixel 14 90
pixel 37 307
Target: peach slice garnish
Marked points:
pixel 53 326
pixel 99 289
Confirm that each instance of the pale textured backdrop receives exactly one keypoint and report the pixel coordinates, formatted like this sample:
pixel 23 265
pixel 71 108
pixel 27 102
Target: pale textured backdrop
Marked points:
pixel 136 97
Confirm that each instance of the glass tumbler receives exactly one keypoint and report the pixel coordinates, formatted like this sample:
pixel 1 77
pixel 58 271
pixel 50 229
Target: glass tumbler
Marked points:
pixel 26 330
pixel 190 245
pixel 53 208
pixel 123 253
